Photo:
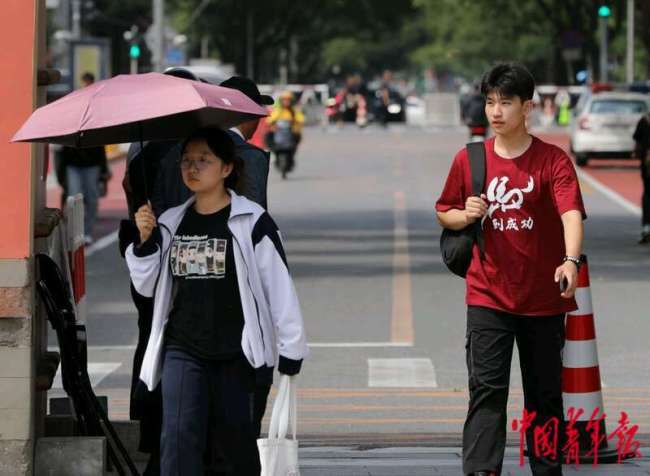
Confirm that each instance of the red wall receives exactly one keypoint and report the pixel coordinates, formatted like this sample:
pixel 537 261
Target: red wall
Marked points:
pixel 17 38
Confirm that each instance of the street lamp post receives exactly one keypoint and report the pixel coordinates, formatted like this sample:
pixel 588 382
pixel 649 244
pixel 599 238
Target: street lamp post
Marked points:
pixel 159 34
pixel 76 19
pixel 629 57
pixel 603 14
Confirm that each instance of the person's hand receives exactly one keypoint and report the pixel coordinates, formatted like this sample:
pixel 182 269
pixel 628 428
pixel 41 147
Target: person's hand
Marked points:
pixel 475 208
pixel 145 221
pixel 568 272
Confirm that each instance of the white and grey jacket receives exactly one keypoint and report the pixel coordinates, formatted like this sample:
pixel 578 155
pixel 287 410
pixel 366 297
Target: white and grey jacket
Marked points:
pixel 273 322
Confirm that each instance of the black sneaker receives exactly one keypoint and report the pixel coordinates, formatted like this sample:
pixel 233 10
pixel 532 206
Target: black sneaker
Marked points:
pixel 645 239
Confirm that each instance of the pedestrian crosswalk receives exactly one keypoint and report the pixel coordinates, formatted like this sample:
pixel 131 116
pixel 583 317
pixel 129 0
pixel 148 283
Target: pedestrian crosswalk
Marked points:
pixel 399 394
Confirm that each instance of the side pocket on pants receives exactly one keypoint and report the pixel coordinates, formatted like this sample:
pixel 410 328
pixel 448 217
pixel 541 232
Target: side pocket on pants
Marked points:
pixel 469 359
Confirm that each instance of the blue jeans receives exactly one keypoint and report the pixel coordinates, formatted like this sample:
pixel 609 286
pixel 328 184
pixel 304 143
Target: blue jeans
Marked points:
pixel 85 180
pixel 194 391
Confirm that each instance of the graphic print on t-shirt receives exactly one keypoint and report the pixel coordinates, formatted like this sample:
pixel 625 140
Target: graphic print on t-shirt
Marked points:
pixel 197 257
pixel 500 198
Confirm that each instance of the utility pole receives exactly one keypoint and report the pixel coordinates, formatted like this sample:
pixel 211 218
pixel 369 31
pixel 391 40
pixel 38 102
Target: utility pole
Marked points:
pixel 76 19
pixel 629 57
pixel 205 46
pixel 159 34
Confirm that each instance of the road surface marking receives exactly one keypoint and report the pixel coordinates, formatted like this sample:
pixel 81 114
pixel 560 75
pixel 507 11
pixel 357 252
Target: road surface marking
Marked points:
pixel 114 308
pixel 101 243
pixel 402 373
pixel 97 371
pixel 358 344
pixel 315 345
pixel 401 328
pixel 609 193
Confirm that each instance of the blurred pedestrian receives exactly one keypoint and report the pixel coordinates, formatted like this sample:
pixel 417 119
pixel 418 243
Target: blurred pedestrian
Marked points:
pixel 473 114
pixel 254 177
pixel 84 169
pixel 522 278
pixel 383 98
pixel 199 359
pixel 642 152
pixel 285 128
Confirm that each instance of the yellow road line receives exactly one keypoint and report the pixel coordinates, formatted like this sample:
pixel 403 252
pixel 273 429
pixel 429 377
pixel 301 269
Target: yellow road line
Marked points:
pixel 401 328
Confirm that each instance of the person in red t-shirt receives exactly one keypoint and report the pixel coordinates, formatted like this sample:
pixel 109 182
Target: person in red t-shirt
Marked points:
pixel 531 213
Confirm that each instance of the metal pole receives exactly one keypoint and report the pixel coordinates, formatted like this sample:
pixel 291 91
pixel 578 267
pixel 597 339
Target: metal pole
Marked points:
pixel 205 46
pixel 76 19
pixel 159 34
pixel 629 61
pixel 603 49
pixel 134 66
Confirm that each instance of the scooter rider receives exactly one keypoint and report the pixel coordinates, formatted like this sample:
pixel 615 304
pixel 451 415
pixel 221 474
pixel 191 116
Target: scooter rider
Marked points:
pixel 474 115
pixel 285 111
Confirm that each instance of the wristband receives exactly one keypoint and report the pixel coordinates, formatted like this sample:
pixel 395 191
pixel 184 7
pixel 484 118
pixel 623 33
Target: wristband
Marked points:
pixel 574 259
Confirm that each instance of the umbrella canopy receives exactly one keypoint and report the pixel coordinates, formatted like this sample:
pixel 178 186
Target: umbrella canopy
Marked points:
pixel 137 107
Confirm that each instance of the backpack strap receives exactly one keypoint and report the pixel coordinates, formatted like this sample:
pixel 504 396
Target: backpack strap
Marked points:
pixel 476 157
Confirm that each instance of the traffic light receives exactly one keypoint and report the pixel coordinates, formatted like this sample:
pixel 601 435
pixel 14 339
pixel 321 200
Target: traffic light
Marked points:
pixel 604 11
pixel 134 51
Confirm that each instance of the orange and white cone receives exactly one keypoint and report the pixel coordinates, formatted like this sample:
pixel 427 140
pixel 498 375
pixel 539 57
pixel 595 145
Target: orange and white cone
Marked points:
pixel 581 384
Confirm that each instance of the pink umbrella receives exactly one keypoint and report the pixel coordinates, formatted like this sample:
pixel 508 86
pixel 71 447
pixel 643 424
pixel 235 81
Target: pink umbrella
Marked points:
pixel 138 107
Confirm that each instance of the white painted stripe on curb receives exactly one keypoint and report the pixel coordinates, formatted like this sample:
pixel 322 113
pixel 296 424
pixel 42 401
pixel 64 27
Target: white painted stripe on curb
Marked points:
pixel 609 193
pixel 580 354
pixel 101 243
pixel 588 402
pixel 403 373
pixel 583 298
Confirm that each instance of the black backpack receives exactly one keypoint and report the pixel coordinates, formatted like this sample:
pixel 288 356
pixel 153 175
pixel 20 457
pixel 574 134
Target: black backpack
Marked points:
pixel 456 246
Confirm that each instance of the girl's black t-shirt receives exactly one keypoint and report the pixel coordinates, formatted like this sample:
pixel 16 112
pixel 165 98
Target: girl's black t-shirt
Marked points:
pixel 206 318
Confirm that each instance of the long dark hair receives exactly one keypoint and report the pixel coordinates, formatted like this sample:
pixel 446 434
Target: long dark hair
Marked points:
pixel 222 146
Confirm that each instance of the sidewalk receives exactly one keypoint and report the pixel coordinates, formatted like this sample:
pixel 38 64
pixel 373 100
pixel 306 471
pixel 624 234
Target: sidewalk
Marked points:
pixel 419 461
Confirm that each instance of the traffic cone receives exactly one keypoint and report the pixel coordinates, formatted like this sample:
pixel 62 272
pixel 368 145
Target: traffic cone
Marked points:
pixel 581 384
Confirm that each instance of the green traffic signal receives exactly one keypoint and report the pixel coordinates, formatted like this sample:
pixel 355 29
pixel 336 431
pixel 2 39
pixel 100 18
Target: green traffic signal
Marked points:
pixel 134 52
pixel 604 11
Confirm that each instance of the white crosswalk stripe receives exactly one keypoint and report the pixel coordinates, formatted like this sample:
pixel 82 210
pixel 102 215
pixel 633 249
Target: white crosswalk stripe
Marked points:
pixel 403 373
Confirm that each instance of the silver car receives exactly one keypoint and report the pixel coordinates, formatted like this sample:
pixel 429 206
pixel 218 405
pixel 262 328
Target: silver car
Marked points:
pixel 604 126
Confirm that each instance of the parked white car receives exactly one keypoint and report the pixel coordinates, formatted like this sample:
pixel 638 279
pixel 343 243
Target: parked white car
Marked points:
pixel 603 128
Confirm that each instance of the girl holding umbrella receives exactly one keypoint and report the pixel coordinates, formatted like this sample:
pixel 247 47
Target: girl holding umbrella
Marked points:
pixel 213 335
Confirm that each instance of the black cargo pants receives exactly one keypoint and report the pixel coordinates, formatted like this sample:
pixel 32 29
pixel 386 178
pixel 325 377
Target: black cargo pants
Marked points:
pixel 489 343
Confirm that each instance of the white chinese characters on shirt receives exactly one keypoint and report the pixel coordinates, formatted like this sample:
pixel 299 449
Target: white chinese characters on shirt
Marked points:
pixel 500 198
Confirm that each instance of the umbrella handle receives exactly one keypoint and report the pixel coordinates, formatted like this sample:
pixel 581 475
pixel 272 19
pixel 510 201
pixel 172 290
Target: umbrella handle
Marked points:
pixel 144 167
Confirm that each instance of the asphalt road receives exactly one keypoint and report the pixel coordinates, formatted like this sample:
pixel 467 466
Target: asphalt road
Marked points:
pixel 384 318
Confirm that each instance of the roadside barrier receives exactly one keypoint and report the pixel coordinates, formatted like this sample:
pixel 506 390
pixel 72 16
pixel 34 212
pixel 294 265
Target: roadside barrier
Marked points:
pixel 74 215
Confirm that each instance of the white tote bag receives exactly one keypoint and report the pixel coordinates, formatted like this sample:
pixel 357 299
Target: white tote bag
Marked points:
pixel 279 454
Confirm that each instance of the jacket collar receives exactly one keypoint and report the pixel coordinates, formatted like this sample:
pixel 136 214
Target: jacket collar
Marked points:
pixel 236 135
pixel 240 205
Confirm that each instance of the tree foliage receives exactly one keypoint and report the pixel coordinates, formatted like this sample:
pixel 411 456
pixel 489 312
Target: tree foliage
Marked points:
pixel 318 37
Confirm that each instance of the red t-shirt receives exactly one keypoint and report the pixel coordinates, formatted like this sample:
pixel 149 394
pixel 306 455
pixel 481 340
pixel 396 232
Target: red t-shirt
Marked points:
pixel 524 236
